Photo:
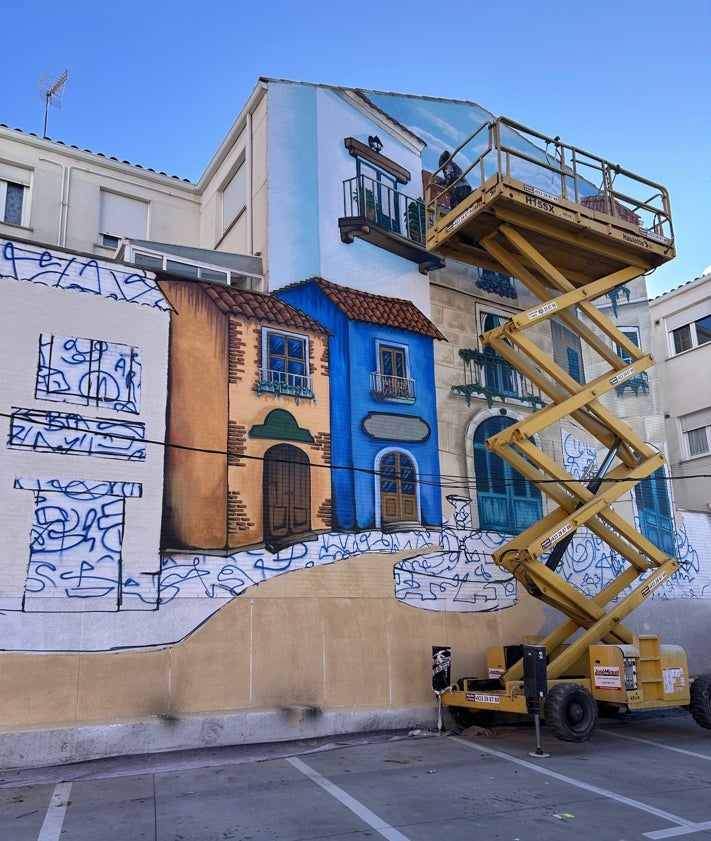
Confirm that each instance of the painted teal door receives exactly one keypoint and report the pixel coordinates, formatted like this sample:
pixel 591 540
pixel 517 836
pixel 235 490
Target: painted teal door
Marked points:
pixel 506 501
pixel 656 521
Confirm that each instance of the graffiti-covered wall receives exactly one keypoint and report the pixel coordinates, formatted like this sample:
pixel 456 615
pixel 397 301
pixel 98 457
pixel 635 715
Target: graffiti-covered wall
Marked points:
pixel 84 359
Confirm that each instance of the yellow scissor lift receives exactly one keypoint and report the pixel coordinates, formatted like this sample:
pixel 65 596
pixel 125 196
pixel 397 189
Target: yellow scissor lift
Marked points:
pixel 571 227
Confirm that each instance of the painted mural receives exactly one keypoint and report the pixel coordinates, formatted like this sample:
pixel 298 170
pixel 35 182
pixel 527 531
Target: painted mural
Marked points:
pixel 157 473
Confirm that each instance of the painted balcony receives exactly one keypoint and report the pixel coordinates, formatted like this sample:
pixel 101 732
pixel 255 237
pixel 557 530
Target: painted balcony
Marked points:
pixel 490 377
pixel 386 388
pixel 377 213
pixel 283 383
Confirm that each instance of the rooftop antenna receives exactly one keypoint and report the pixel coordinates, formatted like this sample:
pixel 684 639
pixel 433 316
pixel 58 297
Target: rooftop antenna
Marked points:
pixel 51 89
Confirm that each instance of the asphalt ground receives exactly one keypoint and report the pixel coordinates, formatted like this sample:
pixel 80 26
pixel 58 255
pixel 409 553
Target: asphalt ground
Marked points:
pixel 637 777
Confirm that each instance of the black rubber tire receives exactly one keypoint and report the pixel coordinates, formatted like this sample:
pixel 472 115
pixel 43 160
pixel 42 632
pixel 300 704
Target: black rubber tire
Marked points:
pixel 700 703
pixel 570 712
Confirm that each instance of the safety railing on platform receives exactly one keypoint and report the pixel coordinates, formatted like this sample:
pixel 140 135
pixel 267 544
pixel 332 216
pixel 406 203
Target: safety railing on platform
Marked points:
pixel 509 149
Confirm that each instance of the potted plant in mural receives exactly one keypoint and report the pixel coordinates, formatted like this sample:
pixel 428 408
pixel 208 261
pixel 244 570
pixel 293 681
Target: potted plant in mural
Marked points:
pixel 365 199
pixel 415 217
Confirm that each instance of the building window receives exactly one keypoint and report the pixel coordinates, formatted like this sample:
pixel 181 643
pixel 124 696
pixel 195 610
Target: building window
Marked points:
pixel 285 365
pixel 697 441
pixel 391 380
pixel 14 191
pixel 234 195
pixel 567 351
pixel 691 335
pixel 507 502
pixel 89 372
pixel 121 217
pixel 12 202
pixel 696 429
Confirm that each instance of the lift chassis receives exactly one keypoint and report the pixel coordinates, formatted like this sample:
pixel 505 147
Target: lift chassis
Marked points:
pixel 571 228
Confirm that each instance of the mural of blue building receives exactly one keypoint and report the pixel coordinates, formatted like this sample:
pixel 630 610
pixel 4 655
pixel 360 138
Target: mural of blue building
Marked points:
pixel 383 418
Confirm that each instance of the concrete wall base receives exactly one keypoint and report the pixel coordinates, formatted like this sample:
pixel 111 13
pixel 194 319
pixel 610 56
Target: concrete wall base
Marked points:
pixel 41 746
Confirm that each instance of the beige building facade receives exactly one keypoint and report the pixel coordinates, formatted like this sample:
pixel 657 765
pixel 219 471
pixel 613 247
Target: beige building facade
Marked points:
pixel 681 328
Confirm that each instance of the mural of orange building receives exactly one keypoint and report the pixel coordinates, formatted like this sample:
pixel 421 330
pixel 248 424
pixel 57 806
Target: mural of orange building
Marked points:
pixel 249 444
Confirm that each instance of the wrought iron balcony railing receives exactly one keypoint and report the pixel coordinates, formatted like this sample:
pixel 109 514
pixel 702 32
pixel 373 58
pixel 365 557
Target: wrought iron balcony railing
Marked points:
pixel 377 212
pixel 281 382
pixel 490 376
pixel 389 388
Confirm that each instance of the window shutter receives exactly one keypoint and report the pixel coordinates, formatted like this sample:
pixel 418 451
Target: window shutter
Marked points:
pixel 234 196
pixel 15 174
pixel 695 420
pixel 123 217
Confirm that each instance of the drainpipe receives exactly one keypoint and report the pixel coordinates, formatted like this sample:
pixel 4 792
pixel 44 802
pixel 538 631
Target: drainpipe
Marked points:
pixel 62 209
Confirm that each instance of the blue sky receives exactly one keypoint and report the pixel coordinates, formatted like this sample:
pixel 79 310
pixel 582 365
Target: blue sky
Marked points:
pixel 160 85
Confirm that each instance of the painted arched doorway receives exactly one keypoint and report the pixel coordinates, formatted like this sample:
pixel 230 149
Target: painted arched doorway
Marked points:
pixel 286 496
pixel 507 502
pixel 398 490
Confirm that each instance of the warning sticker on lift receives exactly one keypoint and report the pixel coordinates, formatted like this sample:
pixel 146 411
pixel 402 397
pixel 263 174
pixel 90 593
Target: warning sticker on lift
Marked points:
pixel 607 677
pixel 674 680
pixel 481 698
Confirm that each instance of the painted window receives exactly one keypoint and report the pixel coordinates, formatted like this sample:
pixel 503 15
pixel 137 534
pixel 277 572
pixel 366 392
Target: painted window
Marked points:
pixel 89 372
pixel 639 382
pixel 234 195
pixel 507 501
pixel 398 489
pixel 498 374
pixel 691 335
pixel 285 364
pixel 392 379
pixel 632 333
pixel 378 195
pixel 121 217
pixel 656 521
pixel 567 350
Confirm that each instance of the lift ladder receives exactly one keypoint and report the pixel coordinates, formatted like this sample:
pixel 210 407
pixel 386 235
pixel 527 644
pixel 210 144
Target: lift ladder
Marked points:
pixel 570 227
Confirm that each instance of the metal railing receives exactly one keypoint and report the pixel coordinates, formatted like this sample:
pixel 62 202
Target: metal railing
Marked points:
pixel 387 387
pixel 282 382
pixel 550 167
pixel 491 377
pixel 384 206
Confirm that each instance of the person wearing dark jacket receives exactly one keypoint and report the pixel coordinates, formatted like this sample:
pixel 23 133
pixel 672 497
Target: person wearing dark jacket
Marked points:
pixel 451 174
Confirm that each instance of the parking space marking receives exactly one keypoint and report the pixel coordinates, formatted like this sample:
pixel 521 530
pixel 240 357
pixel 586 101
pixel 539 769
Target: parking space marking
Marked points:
pixel 54 819
pixel 683 826
pixel 655 744
pixel 349 802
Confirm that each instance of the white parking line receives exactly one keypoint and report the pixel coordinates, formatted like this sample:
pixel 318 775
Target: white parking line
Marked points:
pixel 683 826
pixel 349 802
pixel 655 744
pixel 53 820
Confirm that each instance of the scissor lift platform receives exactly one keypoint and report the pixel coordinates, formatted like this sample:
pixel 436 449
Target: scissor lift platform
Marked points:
pixel 588 217
pixel 567 225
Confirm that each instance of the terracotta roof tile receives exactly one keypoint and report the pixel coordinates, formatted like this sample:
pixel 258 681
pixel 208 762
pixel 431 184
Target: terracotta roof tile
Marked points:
pixel 259 307
pixel 375 309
